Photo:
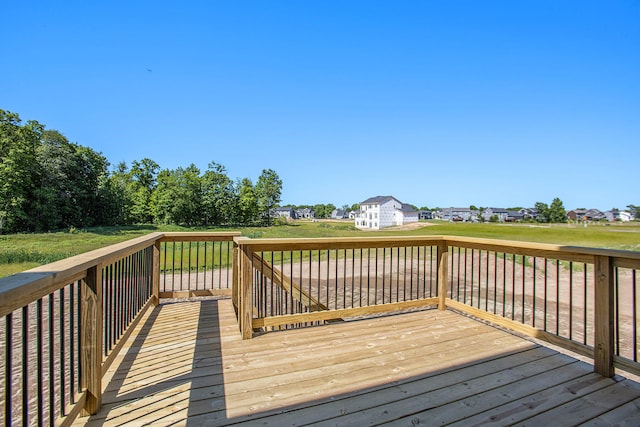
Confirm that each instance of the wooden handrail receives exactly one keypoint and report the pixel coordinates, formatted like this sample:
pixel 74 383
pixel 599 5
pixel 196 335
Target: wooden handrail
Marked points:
pixel 19 290
pixel 603 260
pixel 84 272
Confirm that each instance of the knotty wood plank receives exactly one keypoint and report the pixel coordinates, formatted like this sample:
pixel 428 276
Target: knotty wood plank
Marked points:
pixel 589 406
pixel 277 370
pixel 526 407
pixel 440 406
pixel 479 401
pixel 627 415
pixel 313 375
pixel 398 390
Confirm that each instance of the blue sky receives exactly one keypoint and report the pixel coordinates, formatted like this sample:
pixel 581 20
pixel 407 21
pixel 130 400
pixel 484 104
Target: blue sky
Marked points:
pixel 447 103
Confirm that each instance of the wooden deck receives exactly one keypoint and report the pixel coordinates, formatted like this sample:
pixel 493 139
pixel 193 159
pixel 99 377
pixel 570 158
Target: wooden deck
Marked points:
pixel 188 365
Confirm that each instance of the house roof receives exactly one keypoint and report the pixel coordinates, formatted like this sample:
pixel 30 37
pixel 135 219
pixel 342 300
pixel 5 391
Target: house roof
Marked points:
pixel 379 200
pixel 458 210
pixel 407 208
pixel 498 210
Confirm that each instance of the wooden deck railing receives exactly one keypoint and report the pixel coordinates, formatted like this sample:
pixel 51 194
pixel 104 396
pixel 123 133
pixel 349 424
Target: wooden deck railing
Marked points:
pixel 583 299
pixel 196 264
pixel 62 324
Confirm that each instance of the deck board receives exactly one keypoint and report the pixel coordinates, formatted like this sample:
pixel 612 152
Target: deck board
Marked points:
pixel 187 365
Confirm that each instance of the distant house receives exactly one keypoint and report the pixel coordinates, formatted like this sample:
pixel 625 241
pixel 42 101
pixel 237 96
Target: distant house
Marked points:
pixel 616 215
pixel 529 213
pixel 339 214
pixel 287 213
pixel 384 211
pixel 586 215
pixel 458 214
pixel 424 215
pixel 576 214
pixel 595 215
pixel 305 213
pixel 500 213
pixel 514 216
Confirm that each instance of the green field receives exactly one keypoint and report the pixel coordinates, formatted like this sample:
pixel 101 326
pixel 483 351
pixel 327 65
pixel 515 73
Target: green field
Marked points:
pixel 19 252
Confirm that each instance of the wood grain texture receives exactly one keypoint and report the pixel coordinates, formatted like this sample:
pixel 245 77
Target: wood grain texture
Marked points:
pixel 188 365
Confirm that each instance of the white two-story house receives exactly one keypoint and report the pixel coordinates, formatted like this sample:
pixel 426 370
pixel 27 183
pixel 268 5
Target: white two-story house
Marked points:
pixel 384 211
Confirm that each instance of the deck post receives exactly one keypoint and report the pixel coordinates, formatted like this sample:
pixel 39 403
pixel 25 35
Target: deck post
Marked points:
pixel 245 294
pixel 443 274
pixel 91 328
pixel 604 308
pixel 155 276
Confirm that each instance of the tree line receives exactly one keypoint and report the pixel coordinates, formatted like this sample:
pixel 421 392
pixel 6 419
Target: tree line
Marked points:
pixel 48 183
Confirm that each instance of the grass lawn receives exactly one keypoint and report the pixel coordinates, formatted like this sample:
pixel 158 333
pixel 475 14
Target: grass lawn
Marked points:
pixel 19 252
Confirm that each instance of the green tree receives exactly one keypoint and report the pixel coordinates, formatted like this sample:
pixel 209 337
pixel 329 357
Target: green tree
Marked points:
pixel 18 146
pixel 543 211
pixel 323 210
pixel 143 184
pixel 557 213
pixel 218 195
pixel 90 175
pixel 247 203
pixel 52 205
pixel 115 196
pixel 268 191
pixel 177 199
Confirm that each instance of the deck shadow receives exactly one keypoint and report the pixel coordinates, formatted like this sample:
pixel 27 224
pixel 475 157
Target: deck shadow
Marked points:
pixel 350 375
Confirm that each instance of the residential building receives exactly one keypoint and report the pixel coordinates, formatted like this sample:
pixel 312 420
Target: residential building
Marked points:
pixel 529 213
pixel 617 215
pixel 339 214
pixel 384 211
pixel 287 213
pixel 459 214
pixel 586 215
pixel 500 213
pixel 514 216
pixel 424 215
pixel 305 213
